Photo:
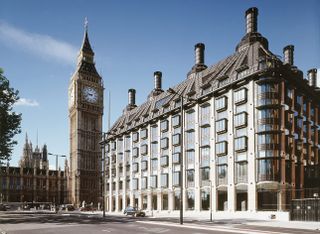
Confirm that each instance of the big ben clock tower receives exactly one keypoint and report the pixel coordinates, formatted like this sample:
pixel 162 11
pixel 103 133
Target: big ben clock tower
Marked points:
pixel 85 116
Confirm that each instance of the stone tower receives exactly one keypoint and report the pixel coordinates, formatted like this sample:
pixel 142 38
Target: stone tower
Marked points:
pixel 34 158
pixel 85 118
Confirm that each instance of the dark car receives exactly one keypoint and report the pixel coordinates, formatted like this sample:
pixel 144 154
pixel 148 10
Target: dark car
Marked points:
pixel 134 211
pixel 70 208
pixel 87 208
pixel 67 207
pixel 26 207
pixel 46 207
pixel 2 207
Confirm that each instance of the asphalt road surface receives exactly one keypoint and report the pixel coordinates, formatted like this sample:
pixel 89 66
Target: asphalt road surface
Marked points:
pixel 89 223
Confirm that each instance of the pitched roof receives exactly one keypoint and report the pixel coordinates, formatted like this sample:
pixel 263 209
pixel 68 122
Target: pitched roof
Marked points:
pixel 197 85
pixel 202 81
pixel 86 47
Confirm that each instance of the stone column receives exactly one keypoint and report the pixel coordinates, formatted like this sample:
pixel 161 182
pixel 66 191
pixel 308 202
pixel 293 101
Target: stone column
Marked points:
pixel 149 206
pixel 231 183
pixel 170 200
pixel 252 188
pixel 197 184
pixel 159 200
pixel 212 158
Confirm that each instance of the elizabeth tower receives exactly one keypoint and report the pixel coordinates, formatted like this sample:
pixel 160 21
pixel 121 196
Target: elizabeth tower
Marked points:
pixel 85 116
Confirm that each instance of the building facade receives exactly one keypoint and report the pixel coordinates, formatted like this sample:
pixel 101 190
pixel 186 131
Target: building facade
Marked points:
pixel 85 117
pixel 33 181
pixel 248 139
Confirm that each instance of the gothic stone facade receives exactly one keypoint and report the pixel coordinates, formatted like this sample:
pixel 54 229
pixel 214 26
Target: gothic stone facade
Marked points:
pixel 85 116
pixel 33 181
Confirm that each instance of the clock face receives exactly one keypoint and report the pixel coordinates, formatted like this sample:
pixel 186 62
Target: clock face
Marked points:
pixel 90 94
pixel 71 96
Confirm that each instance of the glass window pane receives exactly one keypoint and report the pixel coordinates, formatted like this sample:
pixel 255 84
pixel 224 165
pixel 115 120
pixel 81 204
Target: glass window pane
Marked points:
pixel 221 103
pixel 190 199
pixel 190 120
pixel 205 136
pixel 190 159
pixel 164 125
pixel 240 96
pixel 176 121
pixel 221 125
pixel 205 157
pixel 190 178
pixel 205 114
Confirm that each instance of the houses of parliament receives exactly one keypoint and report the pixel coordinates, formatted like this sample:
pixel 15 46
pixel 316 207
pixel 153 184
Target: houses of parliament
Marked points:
pixel 33 181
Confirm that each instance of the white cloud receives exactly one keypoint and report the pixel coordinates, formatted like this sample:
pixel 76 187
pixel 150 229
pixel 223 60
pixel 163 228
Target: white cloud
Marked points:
pixel 26 102
pixel 41 45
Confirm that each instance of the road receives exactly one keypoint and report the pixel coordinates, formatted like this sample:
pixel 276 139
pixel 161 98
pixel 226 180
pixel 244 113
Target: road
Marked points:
pixel 89 223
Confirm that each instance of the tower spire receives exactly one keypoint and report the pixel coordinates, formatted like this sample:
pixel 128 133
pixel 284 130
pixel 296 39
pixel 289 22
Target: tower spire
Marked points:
pixel 37 138
pixel 86 24
pixel 86 52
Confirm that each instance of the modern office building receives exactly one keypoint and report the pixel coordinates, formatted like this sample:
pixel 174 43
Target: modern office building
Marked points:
pixel 248 140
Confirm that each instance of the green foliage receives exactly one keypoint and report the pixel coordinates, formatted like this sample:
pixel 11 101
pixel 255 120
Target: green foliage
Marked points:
pixel 9 120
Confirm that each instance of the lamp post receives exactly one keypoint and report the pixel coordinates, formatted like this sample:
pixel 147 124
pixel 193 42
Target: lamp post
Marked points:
pixel 102 143
pixel 170 90
pixel 57 156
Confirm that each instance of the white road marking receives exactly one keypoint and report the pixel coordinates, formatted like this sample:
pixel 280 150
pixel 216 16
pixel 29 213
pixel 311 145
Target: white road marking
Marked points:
pixel 108 230
pixel 213 228
pixel 154 230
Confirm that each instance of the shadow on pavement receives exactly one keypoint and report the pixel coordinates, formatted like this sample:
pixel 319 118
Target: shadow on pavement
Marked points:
pixel 61 219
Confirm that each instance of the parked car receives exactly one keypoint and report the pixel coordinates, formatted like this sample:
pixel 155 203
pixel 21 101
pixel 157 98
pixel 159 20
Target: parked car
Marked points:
pixel 67 207
pixel 46 207
pixel 2 207
pixel 87 208
pixel 70 207
pixel 26 207
pixel 134 211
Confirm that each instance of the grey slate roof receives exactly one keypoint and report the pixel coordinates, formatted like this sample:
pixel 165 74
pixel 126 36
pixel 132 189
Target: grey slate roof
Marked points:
pixel 198 84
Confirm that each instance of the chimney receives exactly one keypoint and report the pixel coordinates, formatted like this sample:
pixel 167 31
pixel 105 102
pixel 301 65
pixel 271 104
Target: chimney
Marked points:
pixel 199 53
pixel 132 97
pixel 157 80
pixel 288 54
pixel 312 77
pixel 252 20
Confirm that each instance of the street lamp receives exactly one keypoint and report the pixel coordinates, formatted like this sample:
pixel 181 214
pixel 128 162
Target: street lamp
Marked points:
pixel 170 90
pixel 57 156
pixel 102 143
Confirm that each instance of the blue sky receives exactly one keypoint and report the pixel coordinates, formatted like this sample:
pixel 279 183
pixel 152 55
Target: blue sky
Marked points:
pixel 39 42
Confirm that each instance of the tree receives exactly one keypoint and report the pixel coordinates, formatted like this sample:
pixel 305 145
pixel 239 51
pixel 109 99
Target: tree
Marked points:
pixel 9 120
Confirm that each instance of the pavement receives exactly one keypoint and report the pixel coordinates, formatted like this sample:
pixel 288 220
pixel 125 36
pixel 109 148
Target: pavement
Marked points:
pixel 252 222
pixel 34 222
